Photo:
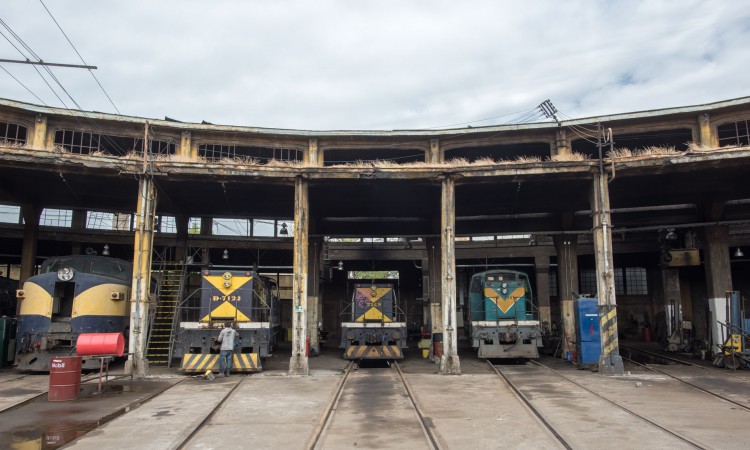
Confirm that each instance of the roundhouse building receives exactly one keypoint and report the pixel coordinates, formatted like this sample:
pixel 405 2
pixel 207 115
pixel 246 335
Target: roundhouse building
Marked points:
pixel 646 211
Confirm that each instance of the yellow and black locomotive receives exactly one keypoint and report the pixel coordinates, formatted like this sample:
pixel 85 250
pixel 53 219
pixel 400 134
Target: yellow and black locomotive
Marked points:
pixel 245 299
pixel 373 326
pixel 71 295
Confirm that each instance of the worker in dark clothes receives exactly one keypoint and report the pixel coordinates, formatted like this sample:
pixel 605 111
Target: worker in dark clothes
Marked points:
pixel 226 337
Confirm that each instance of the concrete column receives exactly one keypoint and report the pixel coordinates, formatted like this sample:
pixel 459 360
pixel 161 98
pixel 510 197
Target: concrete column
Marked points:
pixel 707 136
pixel 541 264
pixel 718 280
pixel 137 364
pixel 567 285
pixel 562 146
pixel 298 363
pixel 39 138
pixel 312 156
pixel 30 214
pixel 182 223
pixel 610 361
pixel 313 294
pixel 77 223
pixel 434 155
pixel 671 290
pixel 185 149
pixel 449 363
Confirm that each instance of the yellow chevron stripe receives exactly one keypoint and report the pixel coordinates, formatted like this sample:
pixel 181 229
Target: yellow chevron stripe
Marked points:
pixel 612 314
pixel 236 282
pixel 373 352
pixel 244 363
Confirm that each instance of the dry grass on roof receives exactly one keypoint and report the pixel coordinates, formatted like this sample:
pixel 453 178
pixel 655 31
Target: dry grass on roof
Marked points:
pixel 575 156
pixel 620 153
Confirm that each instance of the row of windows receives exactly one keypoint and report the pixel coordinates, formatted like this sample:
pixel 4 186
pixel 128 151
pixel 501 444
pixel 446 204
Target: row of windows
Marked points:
pixel 628 281
pixel 85 143
pixel 12 133
pixel 737 133
pixel 216 152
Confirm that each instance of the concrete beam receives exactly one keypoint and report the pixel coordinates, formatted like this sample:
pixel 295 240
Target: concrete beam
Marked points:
pixel 541 265
pixel 39 138
pixel 31 214
pixel 718 280
pixel 567 285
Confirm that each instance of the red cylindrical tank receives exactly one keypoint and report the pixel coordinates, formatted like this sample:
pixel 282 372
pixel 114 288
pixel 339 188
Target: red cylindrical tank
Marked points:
pixel 64 378
pixel 100 344
pixel 646 334
pixel 437 345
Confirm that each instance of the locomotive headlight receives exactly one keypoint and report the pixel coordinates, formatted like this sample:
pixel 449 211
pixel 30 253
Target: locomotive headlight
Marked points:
pixel 65 274
pixel 227 276
pixel 505 285
pixel 505 291
pixel 227 283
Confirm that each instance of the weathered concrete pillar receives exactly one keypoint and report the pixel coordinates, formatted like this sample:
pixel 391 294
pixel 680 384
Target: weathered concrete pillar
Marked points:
pixel 39 138
pixel 78 224
pixel 182 222
pixel 449 363
pixel 30 214
pixel 610 361
pixel 312 156
pixel 434 155
pixel 137 364
pixel 185 149
pixel 298 363
pixel 672 298
pixel 567 285
pixel 718 280
pixel 562 146
pixel 705 130
pixel 313 294
pixel 541 264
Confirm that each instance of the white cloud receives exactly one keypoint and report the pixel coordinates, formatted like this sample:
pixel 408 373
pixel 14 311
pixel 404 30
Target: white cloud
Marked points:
pixel 382 64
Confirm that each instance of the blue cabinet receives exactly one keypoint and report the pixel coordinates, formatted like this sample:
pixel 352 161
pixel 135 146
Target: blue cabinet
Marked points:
pixel 588 336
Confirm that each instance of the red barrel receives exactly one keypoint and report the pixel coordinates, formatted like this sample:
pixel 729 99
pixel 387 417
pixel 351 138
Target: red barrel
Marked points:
pixel 437 345
pixel 646 334
pixel 64 378
pixel 100 344
pixel 307 347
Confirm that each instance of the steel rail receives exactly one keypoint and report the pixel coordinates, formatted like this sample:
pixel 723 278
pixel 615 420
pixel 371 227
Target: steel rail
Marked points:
pixel 208 417
pixel 631 412
pixel 725 372
pixel 427 429
pixel 328 411
pixel 706 391
pixel 530 407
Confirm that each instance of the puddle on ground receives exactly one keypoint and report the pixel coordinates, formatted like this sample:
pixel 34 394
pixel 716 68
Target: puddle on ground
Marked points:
pixel 52 436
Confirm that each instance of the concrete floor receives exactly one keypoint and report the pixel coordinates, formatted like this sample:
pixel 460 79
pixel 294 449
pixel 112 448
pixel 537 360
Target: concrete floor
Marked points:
pixel 475 410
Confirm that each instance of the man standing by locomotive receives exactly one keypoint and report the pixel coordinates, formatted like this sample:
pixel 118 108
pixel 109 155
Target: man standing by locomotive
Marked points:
pixel 226 337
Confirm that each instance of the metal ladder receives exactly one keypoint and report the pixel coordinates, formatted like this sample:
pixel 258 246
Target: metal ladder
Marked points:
pixel 170 293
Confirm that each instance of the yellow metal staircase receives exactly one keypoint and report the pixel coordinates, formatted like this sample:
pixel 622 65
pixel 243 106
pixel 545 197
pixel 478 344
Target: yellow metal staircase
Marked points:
pixel 169 296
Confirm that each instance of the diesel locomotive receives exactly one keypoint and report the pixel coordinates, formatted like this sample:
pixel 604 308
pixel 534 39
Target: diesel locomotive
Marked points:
pixel 503 322
pixel 71 295
pixel 244 298
pixel 373 326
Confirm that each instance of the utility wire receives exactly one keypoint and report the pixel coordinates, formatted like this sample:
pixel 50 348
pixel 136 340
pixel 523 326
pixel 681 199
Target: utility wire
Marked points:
pixel 79 55
pixel 24 86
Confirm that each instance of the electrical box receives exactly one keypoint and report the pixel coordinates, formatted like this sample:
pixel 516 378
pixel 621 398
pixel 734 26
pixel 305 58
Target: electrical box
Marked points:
pixel 588 335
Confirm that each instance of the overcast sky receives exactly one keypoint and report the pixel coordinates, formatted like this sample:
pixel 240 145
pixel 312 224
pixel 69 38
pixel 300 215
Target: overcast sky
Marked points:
pixel 380 64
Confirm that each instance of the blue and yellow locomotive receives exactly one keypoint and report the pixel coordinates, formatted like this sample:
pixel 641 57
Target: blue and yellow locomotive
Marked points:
pixel 243 298
pixel 373 326
pixel 71 295
pixel 503 323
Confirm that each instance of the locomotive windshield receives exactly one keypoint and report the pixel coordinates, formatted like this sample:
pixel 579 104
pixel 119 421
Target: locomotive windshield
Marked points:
pixel 108 267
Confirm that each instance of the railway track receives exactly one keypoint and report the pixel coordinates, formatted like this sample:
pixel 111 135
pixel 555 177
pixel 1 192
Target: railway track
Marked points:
pixel 655 356
pixel 572 404
pixel 213 411
pixel 736 387
pixel 368 390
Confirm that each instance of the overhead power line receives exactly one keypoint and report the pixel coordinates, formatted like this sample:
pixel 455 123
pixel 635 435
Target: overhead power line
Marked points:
pixel 42 63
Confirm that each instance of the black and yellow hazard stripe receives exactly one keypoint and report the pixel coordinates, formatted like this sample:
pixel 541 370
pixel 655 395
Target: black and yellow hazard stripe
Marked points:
pixel 608 322
pixel 199 363
pixel 373 352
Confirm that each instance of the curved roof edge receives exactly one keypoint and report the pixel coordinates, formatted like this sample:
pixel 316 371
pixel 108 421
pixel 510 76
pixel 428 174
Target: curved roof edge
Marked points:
pixel 374 133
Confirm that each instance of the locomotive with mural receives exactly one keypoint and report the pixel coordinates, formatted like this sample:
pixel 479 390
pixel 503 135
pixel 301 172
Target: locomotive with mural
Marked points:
pixel 503 321
pixel 71 295
pixel 245 299
pixel 373 326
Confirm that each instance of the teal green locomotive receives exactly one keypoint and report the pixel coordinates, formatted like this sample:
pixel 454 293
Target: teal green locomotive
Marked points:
pixel 503 322
pixel 71 295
